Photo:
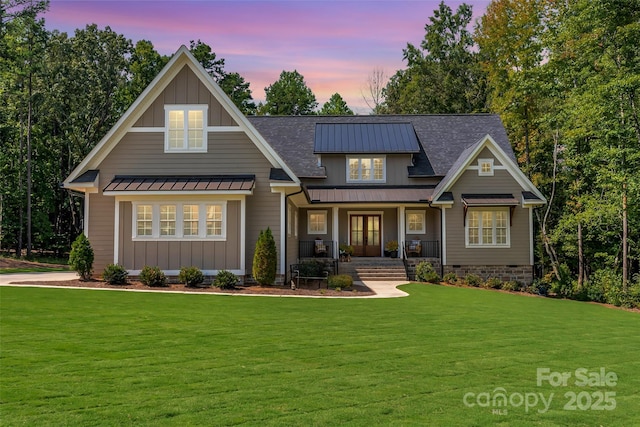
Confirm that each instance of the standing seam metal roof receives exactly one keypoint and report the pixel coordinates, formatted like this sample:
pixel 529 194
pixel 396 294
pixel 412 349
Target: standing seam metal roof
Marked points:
pixel 365 138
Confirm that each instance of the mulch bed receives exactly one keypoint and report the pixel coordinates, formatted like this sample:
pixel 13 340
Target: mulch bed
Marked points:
pixel 309 290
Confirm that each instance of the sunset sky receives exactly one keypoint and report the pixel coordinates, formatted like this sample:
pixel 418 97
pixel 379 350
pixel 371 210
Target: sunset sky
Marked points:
pixel 334 44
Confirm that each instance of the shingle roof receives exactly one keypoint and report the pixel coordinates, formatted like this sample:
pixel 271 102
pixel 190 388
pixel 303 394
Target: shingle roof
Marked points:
pixel 365 138
pixel 442 138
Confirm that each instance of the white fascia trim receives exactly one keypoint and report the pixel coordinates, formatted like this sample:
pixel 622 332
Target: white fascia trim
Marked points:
pixel 224 129
pixel 140 129
pixel 133 113
pixel 488 142
pixel 177 193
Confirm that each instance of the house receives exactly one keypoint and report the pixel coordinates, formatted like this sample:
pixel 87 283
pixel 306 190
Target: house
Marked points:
pixel 184 178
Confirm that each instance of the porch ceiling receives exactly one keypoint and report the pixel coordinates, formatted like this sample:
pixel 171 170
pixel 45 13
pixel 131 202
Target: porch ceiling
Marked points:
pixel 370 195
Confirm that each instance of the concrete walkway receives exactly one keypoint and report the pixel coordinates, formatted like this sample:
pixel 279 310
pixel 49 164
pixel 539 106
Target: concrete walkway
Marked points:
pixel 382 289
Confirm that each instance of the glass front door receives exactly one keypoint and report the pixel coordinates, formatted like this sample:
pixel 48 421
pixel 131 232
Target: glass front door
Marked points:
pixel 365 235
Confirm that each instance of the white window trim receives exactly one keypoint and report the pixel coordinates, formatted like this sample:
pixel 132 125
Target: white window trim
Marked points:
pixel 186 108
pixel 179 236
pixel 491 171
pixel 424 221
pixel 360 158
pixel 324 230
pixel 483 245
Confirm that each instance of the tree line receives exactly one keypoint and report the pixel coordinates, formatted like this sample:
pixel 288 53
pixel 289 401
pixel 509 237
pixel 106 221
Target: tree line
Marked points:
pixel 563 76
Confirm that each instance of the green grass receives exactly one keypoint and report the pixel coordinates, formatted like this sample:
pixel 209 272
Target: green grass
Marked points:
pixel 77 358
pixel 32 270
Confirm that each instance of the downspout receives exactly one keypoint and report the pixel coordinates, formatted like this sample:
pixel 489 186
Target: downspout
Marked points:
pixel 286 219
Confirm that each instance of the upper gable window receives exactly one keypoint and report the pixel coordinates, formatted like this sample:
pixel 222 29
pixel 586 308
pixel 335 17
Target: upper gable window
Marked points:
pixel 186 128
pixel 367 169
pixel 485 167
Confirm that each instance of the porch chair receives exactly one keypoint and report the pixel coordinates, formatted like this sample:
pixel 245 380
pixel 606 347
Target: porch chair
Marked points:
pixel 320 249
pixel 414 248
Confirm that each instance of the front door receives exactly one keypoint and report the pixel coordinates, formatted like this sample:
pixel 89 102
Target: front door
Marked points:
pixel 365 234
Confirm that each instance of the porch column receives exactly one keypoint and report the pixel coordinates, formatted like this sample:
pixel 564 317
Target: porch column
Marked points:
pixel 401 230
pixel 335 234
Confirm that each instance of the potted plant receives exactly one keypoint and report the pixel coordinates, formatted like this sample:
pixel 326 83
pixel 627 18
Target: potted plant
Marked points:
pixel 345 252
pixel 391 248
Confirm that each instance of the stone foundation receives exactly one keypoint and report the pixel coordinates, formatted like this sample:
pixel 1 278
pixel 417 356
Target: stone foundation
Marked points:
pixel 520 273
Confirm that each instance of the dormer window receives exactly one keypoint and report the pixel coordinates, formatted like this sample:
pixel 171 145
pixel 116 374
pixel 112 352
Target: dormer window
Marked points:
pixel 185 129
pixel 366 169
pixel 485 167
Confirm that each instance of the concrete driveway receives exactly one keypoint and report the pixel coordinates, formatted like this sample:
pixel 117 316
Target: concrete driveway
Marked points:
pixel 6 279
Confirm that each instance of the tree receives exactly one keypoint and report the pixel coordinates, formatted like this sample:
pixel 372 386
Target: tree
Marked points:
pixel 265 258
pixel 289 96
pixel 81 257
pixel 595 53
pixel 443 74
pixel 336 106
pixel 144 65
pixel 374 96
pixel 233 84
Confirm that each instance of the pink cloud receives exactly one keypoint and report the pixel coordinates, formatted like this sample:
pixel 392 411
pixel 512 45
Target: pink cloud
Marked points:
pixel 334 44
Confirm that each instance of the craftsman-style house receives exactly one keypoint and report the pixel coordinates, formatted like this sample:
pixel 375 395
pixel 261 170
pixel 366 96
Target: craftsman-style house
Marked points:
pixel 184 178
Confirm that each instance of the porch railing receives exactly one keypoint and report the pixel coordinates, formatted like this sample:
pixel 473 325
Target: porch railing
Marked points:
pixel 422 248
pixel 307 249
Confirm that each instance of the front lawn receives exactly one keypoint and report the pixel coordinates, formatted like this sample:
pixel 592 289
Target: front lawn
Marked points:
pixel 442 356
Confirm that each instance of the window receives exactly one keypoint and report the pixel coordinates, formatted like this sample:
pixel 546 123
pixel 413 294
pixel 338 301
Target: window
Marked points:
pixel 485 167
pixel 144 220
pixel 317 222
pixel 416 223
pixel 186 128
pixel 488 227
pixel 214 220
pixel 167 220
pixel 186 221
pixel 366 169
pixel 190 220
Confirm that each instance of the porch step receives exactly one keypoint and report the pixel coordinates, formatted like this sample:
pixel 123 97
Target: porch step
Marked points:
pixel 376 269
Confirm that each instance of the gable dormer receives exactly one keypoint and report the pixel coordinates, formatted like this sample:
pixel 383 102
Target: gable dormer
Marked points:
pixel 364 148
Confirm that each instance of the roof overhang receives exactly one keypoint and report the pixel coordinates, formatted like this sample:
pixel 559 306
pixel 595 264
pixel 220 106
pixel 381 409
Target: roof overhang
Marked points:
pixel 180 185
pixel 87 182
pixel 415 194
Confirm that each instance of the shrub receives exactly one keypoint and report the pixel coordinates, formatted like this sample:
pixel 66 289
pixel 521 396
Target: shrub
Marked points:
pixel 493 283
pixel 511 285
pixel 191 276
pixel 426 273
pixel 340 281
pixel 312 268
pixel 153 276
pixel 539 287
pixel 473 280
pixel 265 259
pixel 225 280
pixel 81 257
pixel 451 278
pixel 115 274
